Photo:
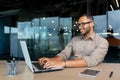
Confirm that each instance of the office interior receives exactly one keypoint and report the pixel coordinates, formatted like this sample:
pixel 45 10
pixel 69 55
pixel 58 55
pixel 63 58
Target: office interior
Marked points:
pixel 48 25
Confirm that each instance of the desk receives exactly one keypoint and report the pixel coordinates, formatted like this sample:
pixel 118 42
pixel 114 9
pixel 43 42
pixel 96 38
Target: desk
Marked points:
pixel 66 74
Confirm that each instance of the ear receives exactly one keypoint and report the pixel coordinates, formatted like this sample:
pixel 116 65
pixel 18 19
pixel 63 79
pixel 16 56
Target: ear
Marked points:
pixel 92 24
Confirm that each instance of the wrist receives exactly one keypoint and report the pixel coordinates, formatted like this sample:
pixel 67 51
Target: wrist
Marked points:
pixel 64 63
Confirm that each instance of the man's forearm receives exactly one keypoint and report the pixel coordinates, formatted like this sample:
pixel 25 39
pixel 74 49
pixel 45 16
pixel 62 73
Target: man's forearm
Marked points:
pixel 72 63
pixel 76 63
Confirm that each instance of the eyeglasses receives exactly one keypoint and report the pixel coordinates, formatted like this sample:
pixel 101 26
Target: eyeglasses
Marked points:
pixel 83 23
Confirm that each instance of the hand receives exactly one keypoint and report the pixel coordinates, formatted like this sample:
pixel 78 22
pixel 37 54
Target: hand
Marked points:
pixel 54 63
pixel 43 60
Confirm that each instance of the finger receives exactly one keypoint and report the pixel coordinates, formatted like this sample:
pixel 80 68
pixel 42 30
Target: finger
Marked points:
pixel 47 65
pixel 41 60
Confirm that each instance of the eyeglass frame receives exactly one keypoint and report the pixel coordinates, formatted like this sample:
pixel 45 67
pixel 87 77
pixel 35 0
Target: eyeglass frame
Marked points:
pixel 83 23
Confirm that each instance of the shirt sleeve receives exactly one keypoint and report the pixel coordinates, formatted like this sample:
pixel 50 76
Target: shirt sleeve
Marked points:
pixel 97 56
pixel 65 53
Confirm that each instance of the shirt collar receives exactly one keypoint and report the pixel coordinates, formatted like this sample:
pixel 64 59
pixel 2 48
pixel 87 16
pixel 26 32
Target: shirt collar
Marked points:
pixel 92 37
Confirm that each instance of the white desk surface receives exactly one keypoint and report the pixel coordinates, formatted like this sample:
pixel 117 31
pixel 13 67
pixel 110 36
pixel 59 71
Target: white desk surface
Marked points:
pixel 66 74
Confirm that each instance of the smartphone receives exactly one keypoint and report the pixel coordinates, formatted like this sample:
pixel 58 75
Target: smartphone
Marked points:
pixel 90 72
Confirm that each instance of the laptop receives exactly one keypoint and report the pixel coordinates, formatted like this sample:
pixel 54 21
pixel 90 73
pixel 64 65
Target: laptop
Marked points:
pixel 33 65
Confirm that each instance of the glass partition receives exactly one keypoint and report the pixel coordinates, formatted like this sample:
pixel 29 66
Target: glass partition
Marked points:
pixel 100 25
pixel 45 36
pixel 113 22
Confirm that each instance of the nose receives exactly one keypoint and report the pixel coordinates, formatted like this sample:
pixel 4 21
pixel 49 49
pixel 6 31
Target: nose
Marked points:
pixel 80 27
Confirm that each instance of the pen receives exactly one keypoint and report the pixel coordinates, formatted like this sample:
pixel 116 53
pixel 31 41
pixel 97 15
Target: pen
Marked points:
pixel 111 73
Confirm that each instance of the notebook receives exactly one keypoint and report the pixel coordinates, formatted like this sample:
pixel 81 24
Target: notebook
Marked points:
pixel 34 66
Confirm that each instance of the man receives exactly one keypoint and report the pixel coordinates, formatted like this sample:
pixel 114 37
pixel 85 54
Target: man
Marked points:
pixel 83 51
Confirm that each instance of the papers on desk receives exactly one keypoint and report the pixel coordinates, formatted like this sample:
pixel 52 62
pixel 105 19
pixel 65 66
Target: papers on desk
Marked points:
pixel 90 72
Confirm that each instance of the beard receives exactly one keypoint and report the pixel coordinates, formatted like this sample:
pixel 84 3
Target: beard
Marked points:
pixel 85 31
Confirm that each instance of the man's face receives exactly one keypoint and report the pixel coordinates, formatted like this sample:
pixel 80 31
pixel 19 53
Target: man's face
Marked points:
pixel 85 25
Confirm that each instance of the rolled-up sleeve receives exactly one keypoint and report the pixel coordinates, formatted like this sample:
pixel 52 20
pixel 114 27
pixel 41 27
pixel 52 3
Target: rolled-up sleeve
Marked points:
pixel 98 54
pixel 66 52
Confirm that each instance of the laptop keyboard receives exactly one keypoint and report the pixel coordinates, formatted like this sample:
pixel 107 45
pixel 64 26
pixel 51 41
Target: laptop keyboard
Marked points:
pixel 40 67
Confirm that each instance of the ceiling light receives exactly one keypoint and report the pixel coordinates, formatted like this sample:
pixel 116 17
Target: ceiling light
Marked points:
pixel 117 3
pixel 111 7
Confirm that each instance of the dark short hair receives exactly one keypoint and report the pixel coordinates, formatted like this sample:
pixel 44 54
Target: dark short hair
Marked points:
pixel 88 16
